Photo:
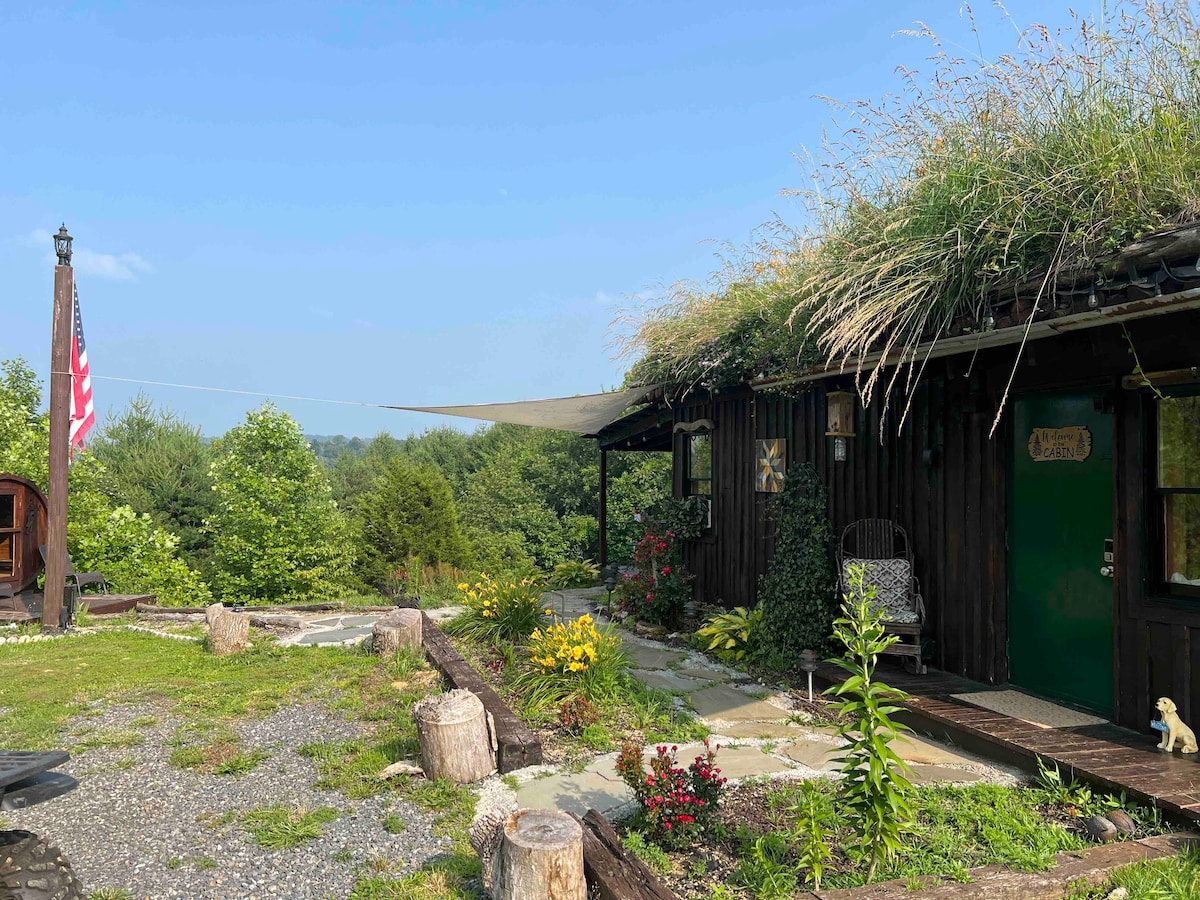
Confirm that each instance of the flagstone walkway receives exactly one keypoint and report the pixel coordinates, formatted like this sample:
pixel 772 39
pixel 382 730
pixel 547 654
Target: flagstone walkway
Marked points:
pixel 760 734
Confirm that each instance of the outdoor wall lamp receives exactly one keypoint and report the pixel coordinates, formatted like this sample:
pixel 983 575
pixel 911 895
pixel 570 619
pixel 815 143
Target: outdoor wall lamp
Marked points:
pixel 839 421
pixel 62 246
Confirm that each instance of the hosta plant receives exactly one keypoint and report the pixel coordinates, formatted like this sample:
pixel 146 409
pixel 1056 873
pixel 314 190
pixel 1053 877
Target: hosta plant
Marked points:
pixel 732 635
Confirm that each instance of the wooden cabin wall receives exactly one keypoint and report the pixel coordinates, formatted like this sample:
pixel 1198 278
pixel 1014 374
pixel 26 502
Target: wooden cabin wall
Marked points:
pixel 944 479
pixel 954 514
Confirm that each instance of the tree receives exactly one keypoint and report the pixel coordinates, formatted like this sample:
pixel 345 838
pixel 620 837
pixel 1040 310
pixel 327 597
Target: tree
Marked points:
pixel 134 555
pixel 158 464
pixel 278 535
pixel 409 511
pixel 637 481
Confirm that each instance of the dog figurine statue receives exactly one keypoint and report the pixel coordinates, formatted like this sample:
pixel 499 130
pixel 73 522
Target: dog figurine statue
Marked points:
pixel 1176 730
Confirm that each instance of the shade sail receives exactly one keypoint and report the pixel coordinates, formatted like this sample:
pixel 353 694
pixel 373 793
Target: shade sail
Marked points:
pixel 585 414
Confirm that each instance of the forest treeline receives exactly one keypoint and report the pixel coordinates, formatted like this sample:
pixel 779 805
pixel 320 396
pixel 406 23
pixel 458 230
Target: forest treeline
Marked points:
pixel 264 514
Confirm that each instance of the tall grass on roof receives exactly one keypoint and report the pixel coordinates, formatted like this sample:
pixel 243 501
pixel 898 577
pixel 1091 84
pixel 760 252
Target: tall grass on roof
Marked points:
pixel 976 175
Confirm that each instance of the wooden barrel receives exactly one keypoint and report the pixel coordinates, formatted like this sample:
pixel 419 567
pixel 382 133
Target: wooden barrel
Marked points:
pixel 22 531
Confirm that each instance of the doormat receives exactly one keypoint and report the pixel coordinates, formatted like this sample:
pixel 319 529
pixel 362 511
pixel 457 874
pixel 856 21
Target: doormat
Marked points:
pixel 1030 709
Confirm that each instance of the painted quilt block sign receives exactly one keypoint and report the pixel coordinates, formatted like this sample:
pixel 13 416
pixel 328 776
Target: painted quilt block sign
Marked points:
pixel 771 465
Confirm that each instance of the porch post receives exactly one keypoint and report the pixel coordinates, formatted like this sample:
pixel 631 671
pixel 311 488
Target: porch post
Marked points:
pixel 60 403
pixel 603 507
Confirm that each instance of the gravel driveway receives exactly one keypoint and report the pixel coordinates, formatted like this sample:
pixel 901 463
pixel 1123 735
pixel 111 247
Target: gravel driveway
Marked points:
pixel 139 823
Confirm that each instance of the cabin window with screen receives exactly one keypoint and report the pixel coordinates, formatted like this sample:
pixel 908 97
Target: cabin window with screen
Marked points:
pixel 1177 489
pixel 699 470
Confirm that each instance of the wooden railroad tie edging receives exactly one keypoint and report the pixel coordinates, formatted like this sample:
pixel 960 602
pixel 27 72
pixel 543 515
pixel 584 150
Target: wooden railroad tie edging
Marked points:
pixel 517 746
pixel 612 872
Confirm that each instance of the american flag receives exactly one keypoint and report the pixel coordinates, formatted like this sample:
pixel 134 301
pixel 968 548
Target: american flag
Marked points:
pixel 83 414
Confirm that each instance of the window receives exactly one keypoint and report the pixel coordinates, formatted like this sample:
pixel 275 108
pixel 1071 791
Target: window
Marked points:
pixel 699 471
pixel 8 533
pixel 1177 490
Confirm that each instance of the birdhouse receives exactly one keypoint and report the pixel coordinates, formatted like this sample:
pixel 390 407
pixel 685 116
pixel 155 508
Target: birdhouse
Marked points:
pixel 839 414
pixel 22 531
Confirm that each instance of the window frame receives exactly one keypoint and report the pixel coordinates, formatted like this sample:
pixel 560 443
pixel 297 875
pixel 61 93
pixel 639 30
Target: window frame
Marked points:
pixel 1156 522
pixel 12 533
pixel 689 479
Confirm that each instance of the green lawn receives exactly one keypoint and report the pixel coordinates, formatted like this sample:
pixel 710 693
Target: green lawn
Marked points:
pixel 44 685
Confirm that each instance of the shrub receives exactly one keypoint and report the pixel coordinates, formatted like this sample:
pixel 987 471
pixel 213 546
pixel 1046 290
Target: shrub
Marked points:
pixel 798 590
pixel 732 635
pixel 500 609
pixel 675 806
pixel 662 585
pixel 574 574
pixel 874 792
pixel 578 713
pixel 277 534
pixel 137 557
pixel 572 659
pixel 683 517
pixel 408 511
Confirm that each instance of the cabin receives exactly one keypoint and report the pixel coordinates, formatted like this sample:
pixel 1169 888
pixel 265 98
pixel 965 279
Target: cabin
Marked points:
pixel 22 532
pixel 1047 473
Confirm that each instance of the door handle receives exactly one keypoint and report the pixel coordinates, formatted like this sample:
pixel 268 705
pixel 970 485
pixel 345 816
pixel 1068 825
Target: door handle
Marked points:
pixel 1107 571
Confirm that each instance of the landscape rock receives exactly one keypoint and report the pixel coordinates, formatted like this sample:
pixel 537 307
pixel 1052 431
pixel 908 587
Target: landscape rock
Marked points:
pixel 1122 820
pixel 1101 829
pixel 403 767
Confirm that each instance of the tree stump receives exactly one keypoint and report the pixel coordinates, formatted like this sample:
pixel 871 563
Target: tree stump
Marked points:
pixel 399 629
pixel 541 857
pixel 228 631
pixel 455 736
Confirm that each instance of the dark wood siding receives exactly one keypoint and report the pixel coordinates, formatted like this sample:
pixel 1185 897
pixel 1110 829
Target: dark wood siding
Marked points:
pixel 944 479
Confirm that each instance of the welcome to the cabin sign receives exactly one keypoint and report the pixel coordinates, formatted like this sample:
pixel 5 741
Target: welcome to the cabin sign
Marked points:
pixel 1072 442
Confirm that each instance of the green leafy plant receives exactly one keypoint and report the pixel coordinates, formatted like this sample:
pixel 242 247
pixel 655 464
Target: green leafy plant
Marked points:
pixel 797 593
pixel 647 851
pixel 506 608
pixel 661 586
pixel 574 574
pixel 814 828
pixel 674 805
pixel 732 635
pixel 873 792
pixel 571 659
pixel 278 535
pixel 766 869
pixel 684 517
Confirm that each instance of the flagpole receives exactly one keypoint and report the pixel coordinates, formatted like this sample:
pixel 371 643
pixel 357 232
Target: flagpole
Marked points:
pixel 60 404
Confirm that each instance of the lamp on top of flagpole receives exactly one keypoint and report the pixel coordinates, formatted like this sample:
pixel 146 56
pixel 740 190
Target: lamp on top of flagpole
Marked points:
pixel 60 405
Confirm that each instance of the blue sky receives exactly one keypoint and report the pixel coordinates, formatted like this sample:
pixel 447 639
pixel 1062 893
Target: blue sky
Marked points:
pixel 426 204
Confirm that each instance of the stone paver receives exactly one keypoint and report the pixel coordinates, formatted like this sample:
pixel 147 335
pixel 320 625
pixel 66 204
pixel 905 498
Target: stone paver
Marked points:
pixel 728 704
pixel 574 793
pixel 332 636
pixel 913 748
pixel 765 730
pixel 646 657
pixel 817 755
pixel 742 762
pixel 705 675
pixel 667 680
pixel 942 775
pixel 344 622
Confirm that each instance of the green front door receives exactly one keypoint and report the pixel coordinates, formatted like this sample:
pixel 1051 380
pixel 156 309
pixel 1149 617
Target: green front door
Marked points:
pixel 1060 600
